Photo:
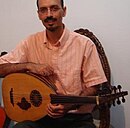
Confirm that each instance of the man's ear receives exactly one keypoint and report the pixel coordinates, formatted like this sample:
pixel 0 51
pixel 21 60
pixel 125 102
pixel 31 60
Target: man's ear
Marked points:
pixel 38 15
pixel 64 11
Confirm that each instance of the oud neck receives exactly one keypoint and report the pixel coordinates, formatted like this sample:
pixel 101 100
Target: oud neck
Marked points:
pixel 72 99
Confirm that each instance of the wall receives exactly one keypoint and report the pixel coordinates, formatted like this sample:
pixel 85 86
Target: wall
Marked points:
pixel 108 19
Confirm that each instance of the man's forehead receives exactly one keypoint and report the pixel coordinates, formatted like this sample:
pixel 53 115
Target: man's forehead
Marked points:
pixel 48 3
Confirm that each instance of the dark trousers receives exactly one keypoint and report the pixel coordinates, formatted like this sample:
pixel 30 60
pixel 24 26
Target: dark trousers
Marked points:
pixel 68 121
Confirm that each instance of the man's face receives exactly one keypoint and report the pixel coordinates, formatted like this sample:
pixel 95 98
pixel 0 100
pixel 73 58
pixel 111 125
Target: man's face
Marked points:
pixel 51 12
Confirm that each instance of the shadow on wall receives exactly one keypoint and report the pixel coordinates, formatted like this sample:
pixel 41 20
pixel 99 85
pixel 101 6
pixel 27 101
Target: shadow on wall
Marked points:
pixel 118 116
pixel 117 112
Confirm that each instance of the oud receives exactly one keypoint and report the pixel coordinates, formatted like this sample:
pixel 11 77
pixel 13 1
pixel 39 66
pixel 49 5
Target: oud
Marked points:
pixel 26 96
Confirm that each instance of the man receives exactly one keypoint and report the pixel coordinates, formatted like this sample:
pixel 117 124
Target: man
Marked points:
pixel 68 58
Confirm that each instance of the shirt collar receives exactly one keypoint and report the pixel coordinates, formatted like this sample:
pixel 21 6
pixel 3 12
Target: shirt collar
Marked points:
pixel 62 39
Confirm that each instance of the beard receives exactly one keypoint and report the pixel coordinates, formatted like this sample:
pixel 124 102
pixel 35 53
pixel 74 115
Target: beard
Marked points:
pixel 50 25
pixel 52 28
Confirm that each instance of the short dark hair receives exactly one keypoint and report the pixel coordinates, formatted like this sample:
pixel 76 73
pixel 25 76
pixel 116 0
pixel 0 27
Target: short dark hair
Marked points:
pixel 62 4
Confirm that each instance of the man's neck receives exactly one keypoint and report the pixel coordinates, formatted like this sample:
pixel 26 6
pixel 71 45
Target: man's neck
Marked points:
pixel 54 36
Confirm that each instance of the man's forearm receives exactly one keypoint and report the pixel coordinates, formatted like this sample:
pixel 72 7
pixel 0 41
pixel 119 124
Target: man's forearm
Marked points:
pixel 41 69
pixel 8 68
pixel 91 91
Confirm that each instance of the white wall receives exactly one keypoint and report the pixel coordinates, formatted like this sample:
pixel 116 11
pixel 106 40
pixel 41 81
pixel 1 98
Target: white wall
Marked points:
pixel 108 19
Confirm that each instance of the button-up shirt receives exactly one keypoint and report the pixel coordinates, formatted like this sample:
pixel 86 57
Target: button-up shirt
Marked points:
pixel 74 59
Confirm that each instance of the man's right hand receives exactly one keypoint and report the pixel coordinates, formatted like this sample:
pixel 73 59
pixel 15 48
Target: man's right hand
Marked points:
pixel 41 69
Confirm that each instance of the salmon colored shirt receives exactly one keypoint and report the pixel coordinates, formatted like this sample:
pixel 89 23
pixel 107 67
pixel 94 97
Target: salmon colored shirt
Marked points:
pixel 74 59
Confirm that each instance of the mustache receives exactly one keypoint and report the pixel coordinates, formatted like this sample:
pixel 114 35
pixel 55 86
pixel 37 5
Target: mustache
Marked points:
pixel 50 19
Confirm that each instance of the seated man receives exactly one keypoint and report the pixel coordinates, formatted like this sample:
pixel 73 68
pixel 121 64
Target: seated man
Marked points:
pixel 69 59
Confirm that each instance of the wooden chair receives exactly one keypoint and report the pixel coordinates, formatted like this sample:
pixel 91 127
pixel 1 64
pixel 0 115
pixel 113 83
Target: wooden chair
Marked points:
pixel 104 110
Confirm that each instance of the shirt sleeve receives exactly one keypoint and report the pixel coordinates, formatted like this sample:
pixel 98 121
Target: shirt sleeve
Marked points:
pixel 93 73
pixel 15 56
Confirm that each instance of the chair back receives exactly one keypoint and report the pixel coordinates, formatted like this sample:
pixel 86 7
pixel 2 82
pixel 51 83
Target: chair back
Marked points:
pixel 103 110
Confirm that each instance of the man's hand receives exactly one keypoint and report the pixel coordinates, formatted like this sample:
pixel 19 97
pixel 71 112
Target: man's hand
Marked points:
pixel 41 69
pixel 58 110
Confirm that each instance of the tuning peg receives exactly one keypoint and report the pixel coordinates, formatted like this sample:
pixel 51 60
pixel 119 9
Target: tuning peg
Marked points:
pixel 119 87
pixel 113 103
pixel 114 88
pixel 118 101
pixel 123 99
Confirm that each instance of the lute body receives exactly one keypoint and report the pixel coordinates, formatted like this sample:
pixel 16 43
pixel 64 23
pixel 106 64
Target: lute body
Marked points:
pixel 26 96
